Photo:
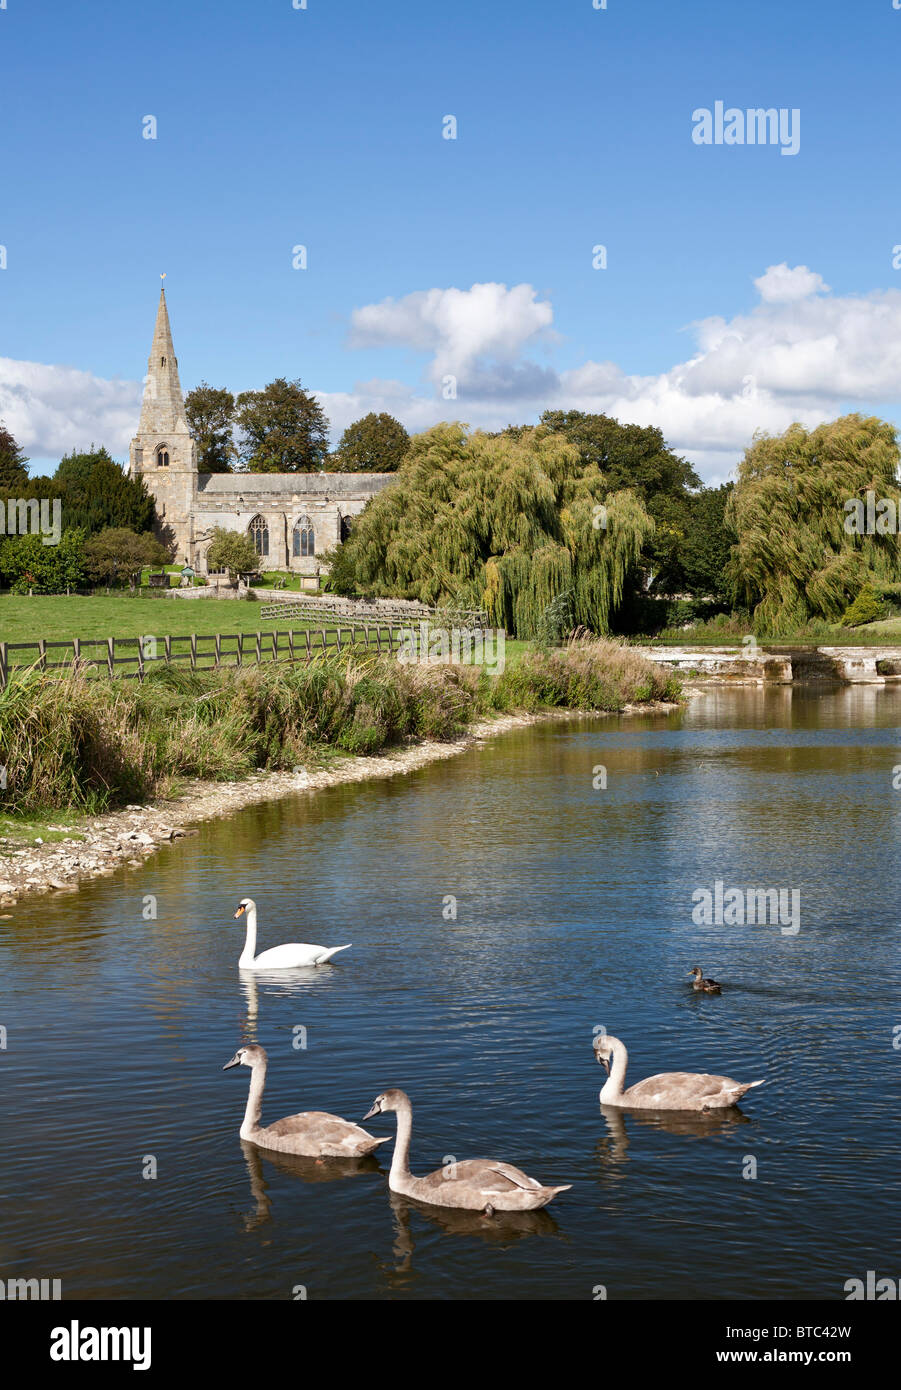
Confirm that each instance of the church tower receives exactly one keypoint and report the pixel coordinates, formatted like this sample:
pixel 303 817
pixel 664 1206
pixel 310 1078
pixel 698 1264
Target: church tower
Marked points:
pixel 162 451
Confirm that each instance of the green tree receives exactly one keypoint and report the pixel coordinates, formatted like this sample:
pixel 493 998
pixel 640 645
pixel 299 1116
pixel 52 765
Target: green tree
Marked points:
pixel 211 412
pixel 374 444
pixel 116 553
pixel 283 429
pixel 232 551
pixel 800 553
pixel 509 524
pixel 13 472
pixel 637 457
pixel 96 493
pixel 47 569
pixel 706 547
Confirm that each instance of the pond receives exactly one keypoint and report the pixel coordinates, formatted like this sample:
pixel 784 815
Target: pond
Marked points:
pixel 121 1169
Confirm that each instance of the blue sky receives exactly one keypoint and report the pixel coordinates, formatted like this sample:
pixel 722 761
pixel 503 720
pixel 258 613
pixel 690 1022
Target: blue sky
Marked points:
pixel 323 127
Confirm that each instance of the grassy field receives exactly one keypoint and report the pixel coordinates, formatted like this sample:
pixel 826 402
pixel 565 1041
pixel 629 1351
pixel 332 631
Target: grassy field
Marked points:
pixel 61 618
pixel 58 618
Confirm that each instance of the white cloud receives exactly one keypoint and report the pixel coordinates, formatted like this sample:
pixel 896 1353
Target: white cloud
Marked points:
pixel 475 335
pixel 52 410
pixel 783 284
pixel 801 353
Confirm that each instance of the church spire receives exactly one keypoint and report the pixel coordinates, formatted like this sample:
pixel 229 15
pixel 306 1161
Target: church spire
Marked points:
pixel 163 407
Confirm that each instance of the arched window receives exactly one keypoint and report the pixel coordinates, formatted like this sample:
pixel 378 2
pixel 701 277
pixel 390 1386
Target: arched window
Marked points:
pixel 259 534
pixel 346 523
pixel 162 457
pixel 304 541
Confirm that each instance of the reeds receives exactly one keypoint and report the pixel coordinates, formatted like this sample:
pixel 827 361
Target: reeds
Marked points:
pixel 88 743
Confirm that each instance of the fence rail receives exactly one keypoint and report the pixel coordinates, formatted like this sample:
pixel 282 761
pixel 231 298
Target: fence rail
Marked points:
pixel 202 651
pixel 353 611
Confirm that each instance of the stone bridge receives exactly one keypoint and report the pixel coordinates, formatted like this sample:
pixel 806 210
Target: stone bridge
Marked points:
pixel 783 664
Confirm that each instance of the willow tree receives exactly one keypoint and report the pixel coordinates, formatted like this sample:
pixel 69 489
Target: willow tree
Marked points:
pixel 801 552
pixel 509 524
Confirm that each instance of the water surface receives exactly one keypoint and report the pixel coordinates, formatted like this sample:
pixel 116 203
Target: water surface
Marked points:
pixel 573 912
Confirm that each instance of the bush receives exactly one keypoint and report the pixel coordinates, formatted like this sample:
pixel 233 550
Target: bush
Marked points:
pixel 588 674
pixel 868 607
pixel 46 569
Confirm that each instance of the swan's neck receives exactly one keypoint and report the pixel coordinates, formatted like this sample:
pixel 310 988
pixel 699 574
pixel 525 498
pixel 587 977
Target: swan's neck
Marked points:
pixel 400 1160
pixel 613 1086
pixel 250 941
pixel 254 1109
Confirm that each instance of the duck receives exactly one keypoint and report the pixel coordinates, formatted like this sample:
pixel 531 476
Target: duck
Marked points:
pixel 708 986
pixel 474 1184
pixel 289 957
pixel 669 1090
pixel 312 1133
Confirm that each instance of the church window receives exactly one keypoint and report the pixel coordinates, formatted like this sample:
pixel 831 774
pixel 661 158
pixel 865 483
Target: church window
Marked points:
pixel 346 523
pixel 259 534
pixel 304 537
pixel 162 457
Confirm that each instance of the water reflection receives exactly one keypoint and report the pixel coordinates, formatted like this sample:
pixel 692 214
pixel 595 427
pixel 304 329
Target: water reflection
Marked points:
pixel 279 985
pixel 306 1170
pixel 503 1228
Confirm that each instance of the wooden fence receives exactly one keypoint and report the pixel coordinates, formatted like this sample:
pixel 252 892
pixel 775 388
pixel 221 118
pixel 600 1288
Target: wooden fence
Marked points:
pixel 110 655
pixel 399 615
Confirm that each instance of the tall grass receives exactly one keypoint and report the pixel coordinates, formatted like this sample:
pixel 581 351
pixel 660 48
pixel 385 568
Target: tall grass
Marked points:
pixel 88 743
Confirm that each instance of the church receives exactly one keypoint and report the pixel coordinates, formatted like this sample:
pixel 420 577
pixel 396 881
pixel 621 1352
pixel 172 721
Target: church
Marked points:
pixel 292 518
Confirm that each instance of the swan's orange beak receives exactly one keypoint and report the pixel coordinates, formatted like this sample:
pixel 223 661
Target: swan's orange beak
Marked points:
pixel 240 911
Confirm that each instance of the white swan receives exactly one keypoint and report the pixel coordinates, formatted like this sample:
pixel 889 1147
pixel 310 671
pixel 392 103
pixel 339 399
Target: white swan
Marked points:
pixel 476 1184
pixel 313 1133
pixel 670 1090
pixel 288 957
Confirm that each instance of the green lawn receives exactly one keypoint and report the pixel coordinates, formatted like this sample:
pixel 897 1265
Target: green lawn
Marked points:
pixel 57 618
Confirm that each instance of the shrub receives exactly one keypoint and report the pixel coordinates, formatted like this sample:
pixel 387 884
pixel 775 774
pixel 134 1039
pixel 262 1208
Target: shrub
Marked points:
pixel 866 608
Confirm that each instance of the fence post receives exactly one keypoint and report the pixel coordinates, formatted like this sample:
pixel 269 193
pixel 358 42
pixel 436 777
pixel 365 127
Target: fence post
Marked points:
pixel 218 648
pixel 338 637
pixel 309 645
pixel 193 651
pixel 168 647
pixel 42 649
pixel 111 654
pixel 259 650
pixel 274 645
pixel 76 651
pixel 2 665
pixel 291 642
pixel 140 659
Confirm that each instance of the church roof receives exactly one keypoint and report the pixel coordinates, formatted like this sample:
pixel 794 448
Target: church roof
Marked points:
pixel 257 485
